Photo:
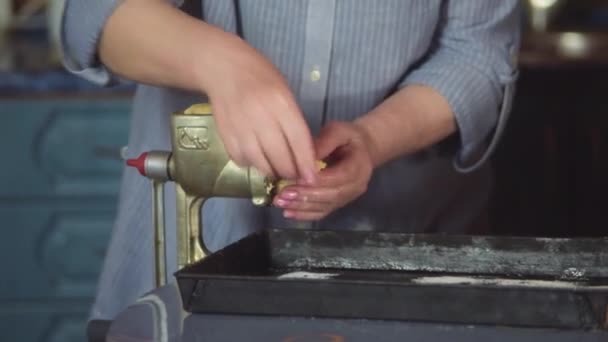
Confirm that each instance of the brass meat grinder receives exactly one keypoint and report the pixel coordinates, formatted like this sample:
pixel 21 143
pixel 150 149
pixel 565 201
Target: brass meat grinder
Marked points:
pixel 200 168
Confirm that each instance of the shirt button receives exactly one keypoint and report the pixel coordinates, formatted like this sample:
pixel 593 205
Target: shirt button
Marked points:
pixel 315 74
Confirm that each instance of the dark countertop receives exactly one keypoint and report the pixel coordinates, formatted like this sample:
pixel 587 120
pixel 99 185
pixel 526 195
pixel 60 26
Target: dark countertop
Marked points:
pixel 159 316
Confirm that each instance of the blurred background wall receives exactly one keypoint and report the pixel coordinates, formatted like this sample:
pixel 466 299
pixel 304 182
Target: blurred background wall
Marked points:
pixel 61 141
pixel 552 164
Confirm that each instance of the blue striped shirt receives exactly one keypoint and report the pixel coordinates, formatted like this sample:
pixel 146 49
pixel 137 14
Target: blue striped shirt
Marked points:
pixel 341 58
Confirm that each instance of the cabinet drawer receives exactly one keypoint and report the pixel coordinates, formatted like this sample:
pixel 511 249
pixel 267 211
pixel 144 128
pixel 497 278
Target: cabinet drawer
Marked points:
pixel 53 249
pixel 50 321
pixel 62 147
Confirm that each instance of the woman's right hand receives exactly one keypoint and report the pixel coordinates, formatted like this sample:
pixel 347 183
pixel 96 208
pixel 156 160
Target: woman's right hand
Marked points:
pixel 257 117
pixel 256 114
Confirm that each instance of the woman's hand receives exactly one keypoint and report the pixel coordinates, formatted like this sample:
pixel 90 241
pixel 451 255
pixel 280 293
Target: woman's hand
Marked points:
pixel 349 149
pixel 257 116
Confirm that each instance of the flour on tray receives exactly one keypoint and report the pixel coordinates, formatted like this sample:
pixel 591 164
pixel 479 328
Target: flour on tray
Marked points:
pixel 307 275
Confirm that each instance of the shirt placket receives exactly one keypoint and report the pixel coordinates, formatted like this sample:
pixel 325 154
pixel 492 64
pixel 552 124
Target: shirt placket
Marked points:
pixel 317 57
pixel 315 70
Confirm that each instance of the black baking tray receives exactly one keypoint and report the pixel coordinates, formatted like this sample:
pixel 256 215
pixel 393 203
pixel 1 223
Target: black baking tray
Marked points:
pixel 508 281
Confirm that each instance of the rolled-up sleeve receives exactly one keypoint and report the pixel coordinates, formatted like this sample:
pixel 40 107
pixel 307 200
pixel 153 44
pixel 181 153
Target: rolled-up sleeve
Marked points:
pixel 81 27
pixel 473 65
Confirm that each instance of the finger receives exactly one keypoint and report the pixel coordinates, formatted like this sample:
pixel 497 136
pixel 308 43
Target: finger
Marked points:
pixel 304 215
pixel 230 141
pixel 300 142
pixel 277 151
pixel 243 138
pixel 309 194
pixel 301 205
pixel 344 172
pixel 234 151
pixel 255 157
pixel 332 136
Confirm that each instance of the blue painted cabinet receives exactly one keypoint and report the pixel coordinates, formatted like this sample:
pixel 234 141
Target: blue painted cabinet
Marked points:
pixel 60 171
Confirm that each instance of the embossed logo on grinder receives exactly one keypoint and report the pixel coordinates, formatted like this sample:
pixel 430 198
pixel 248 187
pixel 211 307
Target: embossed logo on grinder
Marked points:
pixel 193 138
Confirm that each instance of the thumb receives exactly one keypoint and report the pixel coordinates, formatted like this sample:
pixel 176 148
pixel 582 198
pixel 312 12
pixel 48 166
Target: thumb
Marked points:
pixel 332 136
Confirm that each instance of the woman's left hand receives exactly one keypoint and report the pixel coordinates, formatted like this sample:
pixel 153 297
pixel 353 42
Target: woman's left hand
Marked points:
pixel 349 148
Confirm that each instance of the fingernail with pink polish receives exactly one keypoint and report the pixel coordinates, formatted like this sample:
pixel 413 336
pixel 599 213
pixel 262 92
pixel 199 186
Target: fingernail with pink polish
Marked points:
pixel 280 202
pixel 288 214
pixel 289 194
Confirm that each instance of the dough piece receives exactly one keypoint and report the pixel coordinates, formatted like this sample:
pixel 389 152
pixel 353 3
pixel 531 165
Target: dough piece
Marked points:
pixel 281 184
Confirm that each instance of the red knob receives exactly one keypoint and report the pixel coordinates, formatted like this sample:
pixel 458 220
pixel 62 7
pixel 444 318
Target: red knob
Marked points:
pixel 139 163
